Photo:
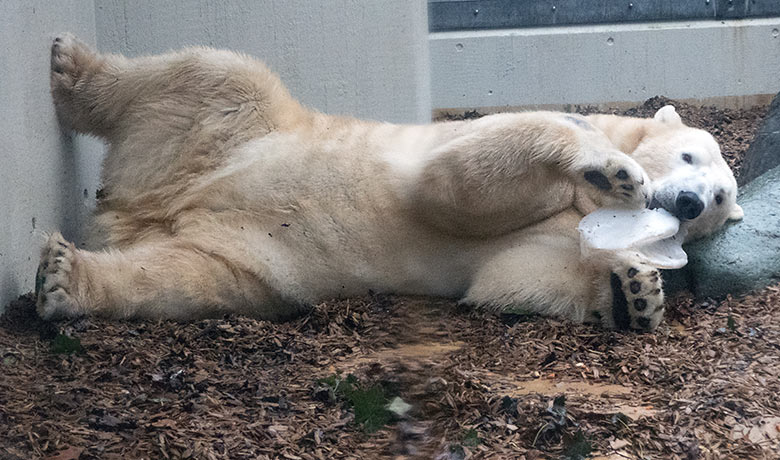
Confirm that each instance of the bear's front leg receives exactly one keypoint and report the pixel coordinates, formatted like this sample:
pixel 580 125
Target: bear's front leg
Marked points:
pixel 637 297
pixel 606 176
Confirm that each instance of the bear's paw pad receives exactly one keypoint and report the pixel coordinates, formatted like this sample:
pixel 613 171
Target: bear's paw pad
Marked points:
pixel 638 297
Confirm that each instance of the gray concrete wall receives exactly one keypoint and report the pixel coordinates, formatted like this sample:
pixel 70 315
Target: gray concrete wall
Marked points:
pixel 551 67
pixel 44 173
pixel 366 58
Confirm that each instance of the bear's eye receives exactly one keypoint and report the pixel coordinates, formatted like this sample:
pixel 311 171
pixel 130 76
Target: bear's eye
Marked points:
pixel 719 199
pixel 687 158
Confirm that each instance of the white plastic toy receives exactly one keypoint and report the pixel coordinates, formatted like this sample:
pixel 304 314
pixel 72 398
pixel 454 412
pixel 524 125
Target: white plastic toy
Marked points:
pixel 653 234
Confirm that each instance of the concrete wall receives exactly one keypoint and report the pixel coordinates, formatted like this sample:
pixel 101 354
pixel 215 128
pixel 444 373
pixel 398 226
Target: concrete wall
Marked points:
pixel 366 58
pixel 558 66
pixel 44 173
pixel 359 57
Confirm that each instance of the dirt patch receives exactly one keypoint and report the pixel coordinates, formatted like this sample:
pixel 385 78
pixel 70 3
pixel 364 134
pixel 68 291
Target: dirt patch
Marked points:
pixel 478 385
pixel 551 387
pixel 417 353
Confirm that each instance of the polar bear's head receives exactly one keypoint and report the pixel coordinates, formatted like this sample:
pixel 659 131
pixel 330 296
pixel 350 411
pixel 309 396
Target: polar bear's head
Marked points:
pixel 690 178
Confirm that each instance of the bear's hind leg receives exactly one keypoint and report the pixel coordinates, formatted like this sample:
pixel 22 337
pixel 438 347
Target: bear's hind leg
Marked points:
pixel 539 274
pixel 83 85
pixel 171 96
pixel 543 272
pixel 166 279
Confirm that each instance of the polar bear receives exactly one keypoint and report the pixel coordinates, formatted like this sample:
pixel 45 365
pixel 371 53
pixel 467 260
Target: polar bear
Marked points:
pixel 223 194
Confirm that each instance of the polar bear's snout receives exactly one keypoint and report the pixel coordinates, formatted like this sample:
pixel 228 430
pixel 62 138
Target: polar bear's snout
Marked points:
pixel 688 205
pixel 702 197
pixel 685 205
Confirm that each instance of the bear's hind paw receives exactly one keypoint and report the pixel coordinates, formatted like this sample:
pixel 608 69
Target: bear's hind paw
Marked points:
pixel 54 279
pixel 637 297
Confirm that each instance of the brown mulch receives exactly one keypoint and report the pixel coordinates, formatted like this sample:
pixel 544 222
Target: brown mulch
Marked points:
pixel 480 385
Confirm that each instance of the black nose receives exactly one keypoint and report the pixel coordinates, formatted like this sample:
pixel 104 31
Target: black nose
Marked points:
pixel 688 205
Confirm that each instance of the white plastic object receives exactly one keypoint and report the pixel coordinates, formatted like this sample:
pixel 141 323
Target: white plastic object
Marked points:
pixel 654 234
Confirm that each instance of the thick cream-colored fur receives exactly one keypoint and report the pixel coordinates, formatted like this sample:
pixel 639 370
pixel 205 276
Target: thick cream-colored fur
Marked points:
pixel 223 194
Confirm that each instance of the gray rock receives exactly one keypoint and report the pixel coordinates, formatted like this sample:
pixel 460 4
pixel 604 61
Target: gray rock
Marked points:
pixel 742 257
pixel 764 152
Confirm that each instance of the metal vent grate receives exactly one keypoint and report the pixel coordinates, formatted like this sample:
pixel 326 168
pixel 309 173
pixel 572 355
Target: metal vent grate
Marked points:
pixel 446 15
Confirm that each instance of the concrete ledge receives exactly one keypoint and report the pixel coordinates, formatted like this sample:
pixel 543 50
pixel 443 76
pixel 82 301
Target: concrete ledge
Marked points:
pixel 556 66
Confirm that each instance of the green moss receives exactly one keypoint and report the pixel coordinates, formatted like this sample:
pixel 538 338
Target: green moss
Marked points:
pixel 66 345
pixel 369 402
pixel 471 438
pixel 577 447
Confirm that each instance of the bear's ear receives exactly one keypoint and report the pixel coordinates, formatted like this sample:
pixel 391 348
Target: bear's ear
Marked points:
pixel 736 212
pixel 667 114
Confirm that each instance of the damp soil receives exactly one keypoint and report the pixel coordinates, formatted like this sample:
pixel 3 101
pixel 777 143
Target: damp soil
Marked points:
pixel 402 377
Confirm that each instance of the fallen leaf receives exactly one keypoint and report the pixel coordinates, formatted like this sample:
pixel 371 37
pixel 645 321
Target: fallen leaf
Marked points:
pixel 164 423
pixel 399 407
pixel 71 453
pixel 635 413
pixel 738 432
pixel 765 429
pixel 618 444
pixel 755 435
pixel 680 328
